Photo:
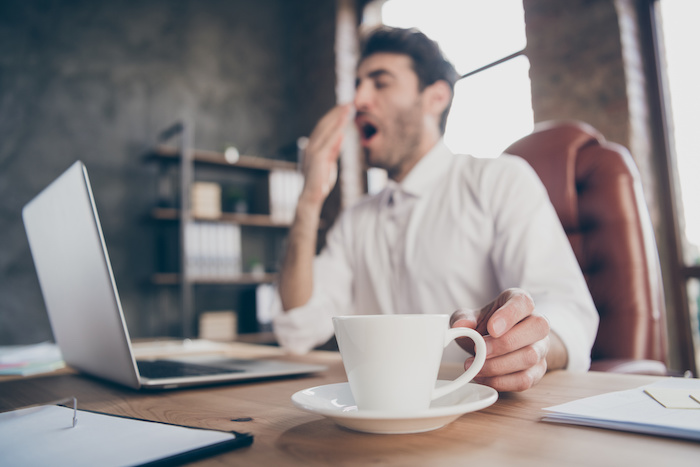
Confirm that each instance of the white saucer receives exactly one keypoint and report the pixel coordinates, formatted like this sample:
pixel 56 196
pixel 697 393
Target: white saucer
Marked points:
pixel 335 401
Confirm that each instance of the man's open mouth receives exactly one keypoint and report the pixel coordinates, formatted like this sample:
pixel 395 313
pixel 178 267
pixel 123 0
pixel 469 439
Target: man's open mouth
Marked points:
pixel 368 131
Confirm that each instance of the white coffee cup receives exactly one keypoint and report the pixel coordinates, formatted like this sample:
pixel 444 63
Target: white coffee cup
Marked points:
pixel 392 361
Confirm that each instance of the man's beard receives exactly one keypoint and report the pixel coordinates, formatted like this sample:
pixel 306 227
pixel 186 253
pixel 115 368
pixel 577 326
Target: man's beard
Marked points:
pixel 401 144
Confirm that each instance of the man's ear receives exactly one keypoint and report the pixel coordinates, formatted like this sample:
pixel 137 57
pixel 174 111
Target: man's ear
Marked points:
pixel 437 97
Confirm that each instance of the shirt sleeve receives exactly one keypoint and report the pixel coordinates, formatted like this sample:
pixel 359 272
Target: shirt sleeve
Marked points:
pixel 532 252
pixel 300 329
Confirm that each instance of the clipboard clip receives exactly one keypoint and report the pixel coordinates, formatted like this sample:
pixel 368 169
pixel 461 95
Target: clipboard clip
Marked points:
pixel 63 402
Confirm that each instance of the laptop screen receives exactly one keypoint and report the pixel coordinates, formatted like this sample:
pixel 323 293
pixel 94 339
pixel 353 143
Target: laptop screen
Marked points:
pixel 76 278
pixel 80 293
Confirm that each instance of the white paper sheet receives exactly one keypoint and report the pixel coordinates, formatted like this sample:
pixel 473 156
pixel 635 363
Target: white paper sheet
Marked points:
pixel 633 410
pixel 42 436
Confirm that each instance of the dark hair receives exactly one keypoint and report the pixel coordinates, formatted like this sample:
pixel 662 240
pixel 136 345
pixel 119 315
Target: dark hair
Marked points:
pixel 428 61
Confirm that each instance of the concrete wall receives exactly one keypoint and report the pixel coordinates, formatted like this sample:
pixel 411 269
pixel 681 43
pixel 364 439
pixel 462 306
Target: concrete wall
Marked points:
pixel 576 63
pixel 588 63
pixel 97 80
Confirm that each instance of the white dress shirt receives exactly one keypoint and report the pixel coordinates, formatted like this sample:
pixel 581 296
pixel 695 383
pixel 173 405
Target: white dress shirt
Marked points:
pixel 454 234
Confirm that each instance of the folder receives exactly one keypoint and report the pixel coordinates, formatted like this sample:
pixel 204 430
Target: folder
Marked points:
pixel 45 435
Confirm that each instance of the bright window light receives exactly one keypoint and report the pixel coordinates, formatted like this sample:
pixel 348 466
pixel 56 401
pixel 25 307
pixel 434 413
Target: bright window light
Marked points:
pixel 472 33
pixel 493 108
pixel 681 38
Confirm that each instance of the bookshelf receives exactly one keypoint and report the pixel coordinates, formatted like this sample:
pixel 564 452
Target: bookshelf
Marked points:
pixel 169 153
pixel 258 220
pixel 242 279
pixel 258 232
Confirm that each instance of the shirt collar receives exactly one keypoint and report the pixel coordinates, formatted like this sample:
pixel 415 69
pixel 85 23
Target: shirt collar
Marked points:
pixel 430 169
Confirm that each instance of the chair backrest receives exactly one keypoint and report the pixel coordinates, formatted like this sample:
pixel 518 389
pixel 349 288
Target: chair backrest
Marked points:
pixel 595 188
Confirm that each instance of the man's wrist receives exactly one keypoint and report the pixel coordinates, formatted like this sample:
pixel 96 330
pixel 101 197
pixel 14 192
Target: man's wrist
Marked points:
pixel 558 356
pixel 295 283
pixel 308 209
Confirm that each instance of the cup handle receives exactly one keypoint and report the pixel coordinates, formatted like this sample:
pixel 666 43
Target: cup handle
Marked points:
pixel 479 359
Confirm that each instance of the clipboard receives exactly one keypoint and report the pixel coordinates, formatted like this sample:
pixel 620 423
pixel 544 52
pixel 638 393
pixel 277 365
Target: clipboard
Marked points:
pixel 45 435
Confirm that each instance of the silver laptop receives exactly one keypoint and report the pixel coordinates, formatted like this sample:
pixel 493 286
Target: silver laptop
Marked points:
pixel 80 293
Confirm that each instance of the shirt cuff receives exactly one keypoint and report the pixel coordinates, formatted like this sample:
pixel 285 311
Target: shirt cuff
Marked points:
pixel 301 329
pixel 576 339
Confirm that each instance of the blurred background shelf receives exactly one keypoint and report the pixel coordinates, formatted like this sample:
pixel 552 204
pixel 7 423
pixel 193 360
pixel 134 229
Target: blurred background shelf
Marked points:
pixel 201 156
pixel 256 220
pixel 243 279
pixel 221 222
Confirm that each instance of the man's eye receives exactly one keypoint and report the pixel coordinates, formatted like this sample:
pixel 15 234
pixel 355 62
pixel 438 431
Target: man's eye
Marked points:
pixel 380 84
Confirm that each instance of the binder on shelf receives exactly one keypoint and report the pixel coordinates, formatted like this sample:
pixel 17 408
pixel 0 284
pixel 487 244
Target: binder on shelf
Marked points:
pixel 265 297
pixel 285 188
pixel 213 250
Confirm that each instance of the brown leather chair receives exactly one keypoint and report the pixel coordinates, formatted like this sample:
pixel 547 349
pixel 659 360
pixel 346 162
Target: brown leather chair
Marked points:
pixel 595 188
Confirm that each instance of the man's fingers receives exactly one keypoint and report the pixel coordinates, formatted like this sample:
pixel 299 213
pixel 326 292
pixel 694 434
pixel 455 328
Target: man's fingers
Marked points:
pixel 329 132
pixel 517 341
pixel 464 318
pixel 519 381
pixel 322 152
pixel 513 362
pixel 518 306
pixel 499 319
pixel 329 123
pixel 530 330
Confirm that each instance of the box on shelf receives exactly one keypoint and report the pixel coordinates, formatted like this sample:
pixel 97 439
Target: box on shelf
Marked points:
pixel 206 200
pixel 218 325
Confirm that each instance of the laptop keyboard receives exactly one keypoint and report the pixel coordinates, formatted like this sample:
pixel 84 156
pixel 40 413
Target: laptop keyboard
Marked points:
pixel 158 369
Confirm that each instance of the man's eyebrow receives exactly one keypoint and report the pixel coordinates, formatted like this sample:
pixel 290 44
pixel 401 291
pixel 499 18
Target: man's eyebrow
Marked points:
pixel 375 74
pixel 379 72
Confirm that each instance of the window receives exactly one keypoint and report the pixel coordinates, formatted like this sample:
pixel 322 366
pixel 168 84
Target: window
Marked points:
pixel 492 104
pixel 681 36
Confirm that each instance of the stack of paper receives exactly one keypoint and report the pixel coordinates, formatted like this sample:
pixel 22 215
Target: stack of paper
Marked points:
pixel 30 359
pixel 641 410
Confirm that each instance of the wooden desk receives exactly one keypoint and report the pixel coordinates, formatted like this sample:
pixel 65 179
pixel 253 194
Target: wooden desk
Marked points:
pixel 508 433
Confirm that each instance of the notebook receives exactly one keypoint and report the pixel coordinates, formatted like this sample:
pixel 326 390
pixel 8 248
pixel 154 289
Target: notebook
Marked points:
pixel 82 301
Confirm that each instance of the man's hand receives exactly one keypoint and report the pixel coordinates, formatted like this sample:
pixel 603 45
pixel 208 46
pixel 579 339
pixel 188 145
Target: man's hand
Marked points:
pixel 321 155
pixel 518 342
pixel 320 169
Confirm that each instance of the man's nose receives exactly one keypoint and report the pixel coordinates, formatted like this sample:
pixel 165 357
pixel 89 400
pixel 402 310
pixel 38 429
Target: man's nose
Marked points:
pixel 363 95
